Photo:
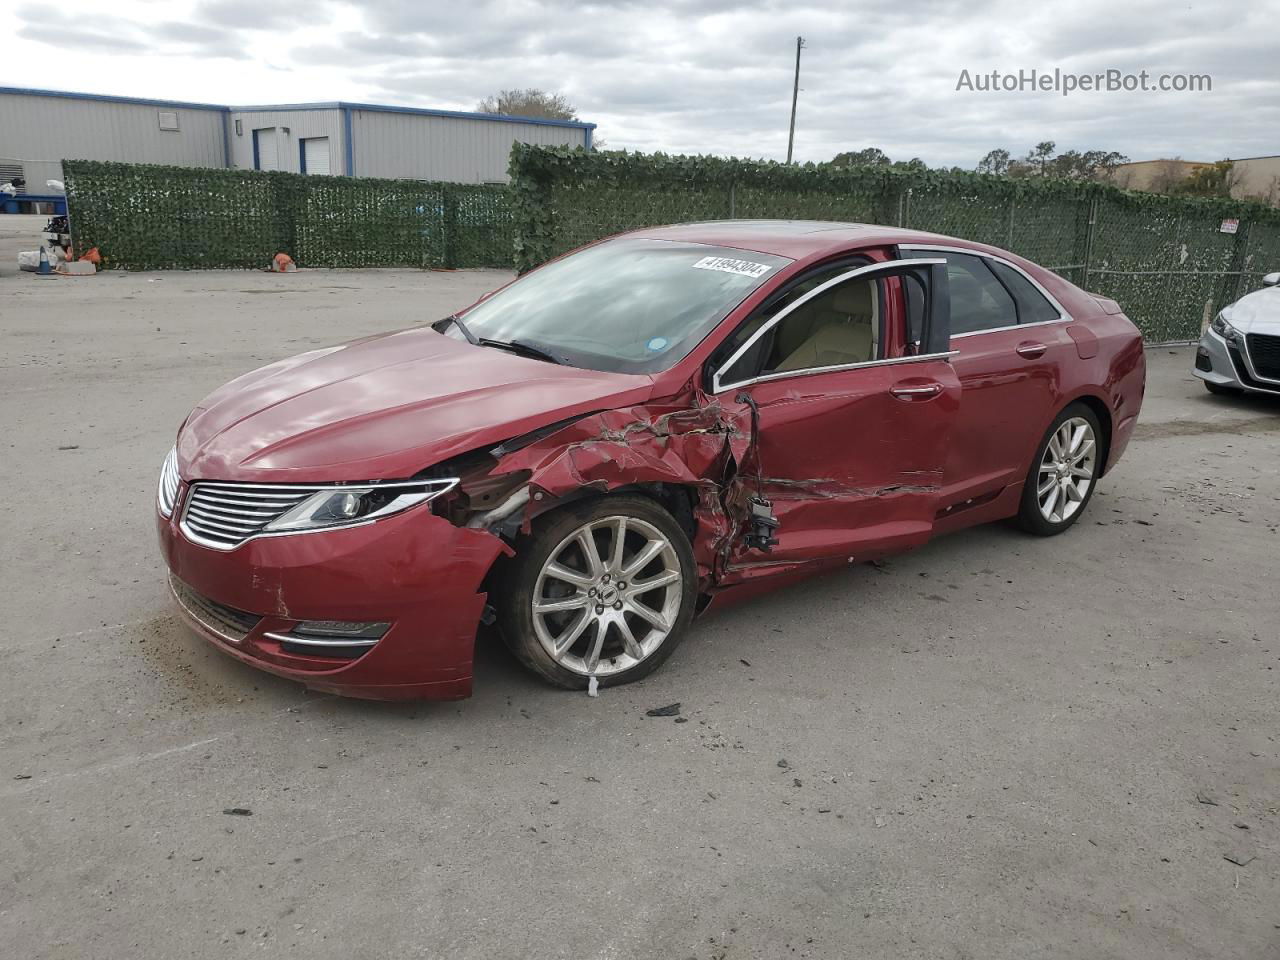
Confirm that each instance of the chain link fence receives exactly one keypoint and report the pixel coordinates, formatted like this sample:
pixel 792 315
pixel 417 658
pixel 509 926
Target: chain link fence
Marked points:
pixel 1165 259
pixel 141 216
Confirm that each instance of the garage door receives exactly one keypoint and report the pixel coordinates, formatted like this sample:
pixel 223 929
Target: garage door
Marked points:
pixel 315 155
pixel 265 156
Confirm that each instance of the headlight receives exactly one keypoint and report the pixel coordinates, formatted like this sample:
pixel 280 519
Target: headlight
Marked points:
pixel 344 506
pixel 167 494
pixel 1225 330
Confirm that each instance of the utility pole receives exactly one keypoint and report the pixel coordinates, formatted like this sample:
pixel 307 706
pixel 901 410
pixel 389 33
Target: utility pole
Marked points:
pixel 795 94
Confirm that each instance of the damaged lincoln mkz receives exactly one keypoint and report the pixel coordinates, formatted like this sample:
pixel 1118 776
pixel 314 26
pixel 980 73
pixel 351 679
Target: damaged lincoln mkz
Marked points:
pixel 591 454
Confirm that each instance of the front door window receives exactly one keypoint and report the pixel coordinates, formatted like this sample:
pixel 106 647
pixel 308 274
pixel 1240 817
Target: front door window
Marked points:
pixel 838 327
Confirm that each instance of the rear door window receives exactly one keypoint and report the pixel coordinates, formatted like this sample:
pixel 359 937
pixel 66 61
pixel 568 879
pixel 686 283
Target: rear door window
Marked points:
pixel 978 300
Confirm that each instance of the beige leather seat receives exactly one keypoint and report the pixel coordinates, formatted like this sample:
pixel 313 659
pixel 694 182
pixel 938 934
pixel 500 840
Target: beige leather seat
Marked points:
pixel 836 329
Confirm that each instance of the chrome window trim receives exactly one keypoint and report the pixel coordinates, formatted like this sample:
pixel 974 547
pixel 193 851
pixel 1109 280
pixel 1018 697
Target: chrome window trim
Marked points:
pixel 1063 315
pixel 1012 326
pixel 882 267
pixel 196 538
pixel 813 371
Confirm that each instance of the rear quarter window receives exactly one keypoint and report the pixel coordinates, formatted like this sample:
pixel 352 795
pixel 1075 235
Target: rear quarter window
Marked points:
pixel 1032 305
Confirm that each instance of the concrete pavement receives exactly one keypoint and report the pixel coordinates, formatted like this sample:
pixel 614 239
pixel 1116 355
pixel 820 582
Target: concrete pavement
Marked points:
pixel 997 746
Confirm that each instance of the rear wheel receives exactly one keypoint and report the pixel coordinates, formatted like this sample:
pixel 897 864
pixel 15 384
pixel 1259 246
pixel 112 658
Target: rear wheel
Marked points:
pixel 1064 473
pixel 602 588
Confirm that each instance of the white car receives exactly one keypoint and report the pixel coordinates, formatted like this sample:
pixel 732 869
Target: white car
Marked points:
pixel 1240 352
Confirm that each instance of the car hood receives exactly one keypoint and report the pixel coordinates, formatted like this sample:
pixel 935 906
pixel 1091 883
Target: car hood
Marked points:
pixel 1258 312
pixel 383 408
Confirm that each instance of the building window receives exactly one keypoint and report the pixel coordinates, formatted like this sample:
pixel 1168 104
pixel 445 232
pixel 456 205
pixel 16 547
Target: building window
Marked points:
pixel 239 127
pixel 168 120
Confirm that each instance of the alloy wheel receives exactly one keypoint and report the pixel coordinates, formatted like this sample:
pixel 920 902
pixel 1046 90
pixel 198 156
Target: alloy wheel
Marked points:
pixel 607 596
pixel 1066 470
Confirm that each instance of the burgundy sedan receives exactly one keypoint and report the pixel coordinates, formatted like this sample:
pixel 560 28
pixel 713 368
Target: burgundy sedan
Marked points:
pixel 593 453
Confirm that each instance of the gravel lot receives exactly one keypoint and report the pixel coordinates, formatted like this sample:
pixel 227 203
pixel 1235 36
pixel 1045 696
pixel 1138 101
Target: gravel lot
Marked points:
pixel 994 747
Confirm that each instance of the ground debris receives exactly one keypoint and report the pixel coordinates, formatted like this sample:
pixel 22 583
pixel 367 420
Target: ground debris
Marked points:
pixel 238 812
pixel 1239 859
pixel 670 710
pixel 1203 797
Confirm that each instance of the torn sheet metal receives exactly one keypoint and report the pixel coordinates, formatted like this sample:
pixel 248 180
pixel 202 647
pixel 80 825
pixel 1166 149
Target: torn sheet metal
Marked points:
pixel 868 492
pixel 690 441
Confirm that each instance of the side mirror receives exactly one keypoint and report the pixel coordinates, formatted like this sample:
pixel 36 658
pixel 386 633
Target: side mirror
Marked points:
pixel 1271 280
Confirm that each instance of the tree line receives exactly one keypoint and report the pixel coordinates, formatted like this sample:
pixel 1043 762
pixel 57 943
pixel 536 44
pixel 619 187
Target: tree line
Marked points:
pixel 1042 160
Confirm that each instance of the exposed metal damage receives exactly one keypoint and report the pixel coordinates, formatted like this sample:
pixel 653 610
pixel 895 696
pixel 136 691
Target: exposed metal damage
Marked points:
pixel 691 446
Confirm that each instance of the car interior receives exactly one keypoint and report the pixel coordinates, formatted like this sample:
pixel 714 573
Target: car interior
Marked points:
pixel 841 326
pixel 837 328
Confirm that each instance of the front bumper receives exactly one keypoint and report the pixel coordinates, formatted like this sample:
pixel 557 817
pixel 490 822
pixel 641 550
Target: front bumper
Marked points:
pixel 1225 365
pixel 414 569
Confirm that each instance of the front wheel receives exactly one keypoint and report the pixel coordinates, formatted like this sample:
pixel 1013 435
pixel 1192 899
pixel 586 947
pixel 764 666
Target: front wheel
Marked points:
pixel 1063 474
pixel 601 588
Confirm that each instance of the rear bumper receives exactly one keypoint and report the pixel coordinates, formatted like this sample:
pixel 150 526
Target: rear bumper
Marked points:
pixel 414 570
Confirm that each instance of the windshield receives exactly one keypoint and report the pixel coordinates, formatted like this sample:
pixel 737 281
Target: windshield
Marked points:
pixel 626 306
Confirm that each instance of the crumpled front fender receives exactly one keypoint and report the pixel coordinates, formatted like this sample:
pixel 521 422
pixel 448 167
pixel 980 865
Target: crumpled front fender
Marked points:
pixel 689 441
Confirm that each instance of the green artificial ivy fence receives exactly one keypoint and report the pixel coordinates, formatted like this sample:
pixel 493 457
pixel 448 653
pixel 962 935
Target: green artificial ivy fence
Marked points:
pixel 1165 259
pixel 142 216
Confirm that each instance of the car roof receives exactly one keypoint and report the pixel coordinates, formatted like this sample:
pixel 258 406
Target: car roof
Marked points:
pixel 799 239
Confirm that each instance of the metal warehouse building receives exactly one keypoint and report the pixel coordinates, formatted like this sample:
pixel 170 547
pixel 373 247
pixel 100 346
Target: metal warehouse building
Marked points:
pixel 40 128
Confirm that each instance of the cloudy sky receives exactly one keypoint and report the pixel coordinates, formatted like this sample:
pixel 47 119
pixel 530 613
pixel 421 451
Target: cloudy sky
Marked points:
pixel 701 76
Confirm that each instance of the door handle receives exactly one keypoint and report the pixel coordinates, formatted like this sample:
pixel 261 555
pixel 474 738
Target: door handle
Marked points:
pixel 1030 350
pixel 916 391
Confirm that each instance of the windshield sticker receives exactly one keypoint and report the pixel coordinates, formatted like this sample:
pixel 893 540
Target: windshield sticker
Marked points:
pixel 744 268
pixel 656 344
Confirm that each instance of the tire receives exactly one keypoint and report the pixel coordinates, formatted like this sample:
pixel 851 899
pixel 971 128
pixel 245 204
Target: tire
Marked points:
pixel 595 606
pixel 1221 391
pixel 1045 514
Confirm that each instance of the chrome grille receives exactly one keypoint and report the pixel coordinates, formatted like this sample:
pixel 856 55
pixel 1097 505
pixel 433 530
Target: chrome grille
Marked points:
pixel 167 493
pixel 228 622
pixel 225 515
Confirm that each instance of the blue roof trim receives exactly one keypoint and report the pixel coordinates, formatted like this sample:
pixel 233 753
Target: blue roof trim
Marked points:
pixel 269 107
pixel 330 105
pixel 467 115
pixel 420 111
pixel 143 101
